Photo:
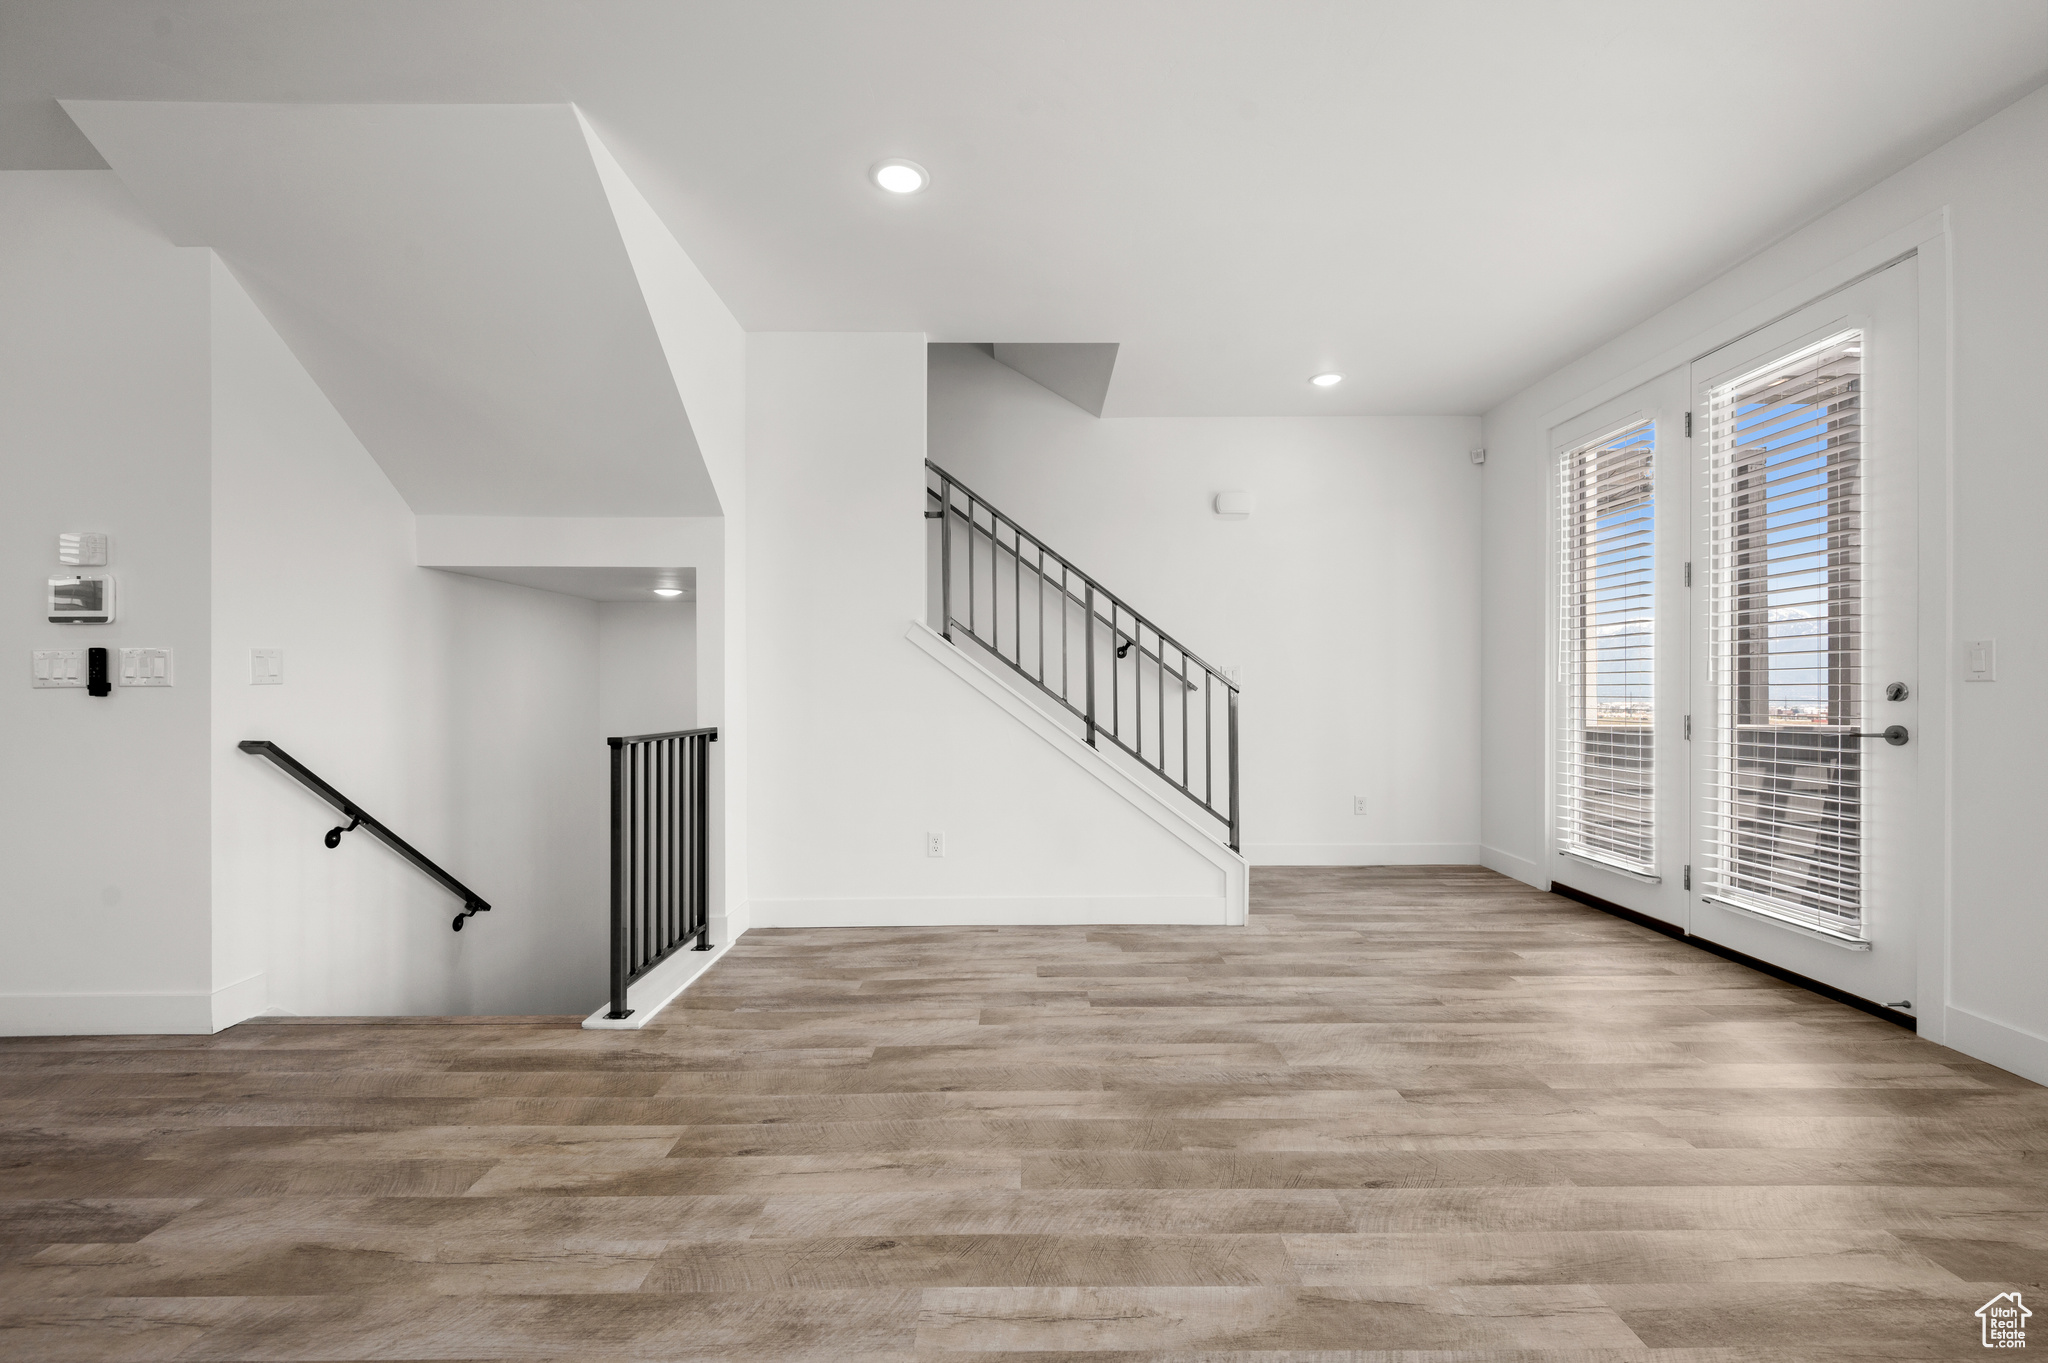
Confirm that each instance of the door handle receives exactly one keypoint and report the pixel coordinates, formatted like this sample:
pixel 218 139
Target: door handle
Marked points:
pixel 1894 734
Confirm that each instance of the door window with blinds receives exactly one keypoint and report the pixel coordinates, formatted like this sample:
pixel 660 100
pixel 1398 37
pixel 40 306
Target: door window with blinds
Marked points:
pixel 1785 781
pixel 1607 636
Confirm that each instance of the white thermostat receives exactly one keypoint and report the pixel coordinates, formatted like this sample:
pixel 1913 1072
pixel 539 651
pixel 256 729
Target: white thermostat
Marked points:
pixel 82 549
pixel 87 600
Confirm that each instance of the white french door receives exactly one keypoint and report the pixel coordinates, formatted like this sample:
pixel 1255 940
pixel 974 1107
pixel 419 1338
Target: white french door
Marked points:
pixel 1736 631
pixel 1622 487
pixel 1805 639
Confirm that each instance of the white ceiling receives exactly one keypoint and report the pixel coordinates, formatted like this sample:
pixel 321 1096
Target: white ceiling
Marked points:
pixel 1442 200
pixel 451 276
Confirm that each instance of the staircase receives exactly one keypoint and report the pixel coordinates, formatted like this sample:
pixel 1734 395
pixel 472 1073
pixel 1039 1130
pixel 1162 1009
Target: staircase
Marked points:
pixel 1086 655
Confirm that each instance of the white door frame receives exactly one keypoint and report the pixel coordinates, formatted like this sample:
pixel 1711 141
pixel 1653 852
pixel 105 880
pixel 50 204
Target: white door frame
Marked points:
pixel 1928 237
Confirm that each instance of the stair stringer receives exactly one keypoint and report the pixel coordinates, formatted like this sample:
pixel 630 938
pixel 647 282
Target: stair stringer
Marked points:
pixel 1235 869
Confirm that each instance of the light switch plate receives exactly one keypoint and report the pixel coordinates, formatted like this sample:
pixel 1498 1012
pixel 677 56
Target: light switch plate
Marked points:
pixel 1980 660
pixel 146 667
pixel 84 548
pixel 266 667
pixel 52 667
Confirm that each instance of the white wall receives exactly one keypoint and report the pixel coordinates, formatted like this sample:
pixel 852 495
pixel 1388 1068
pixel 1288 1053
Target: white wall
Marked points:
pixel 647 667
pixel 862 742
pixel 103 426
pixel 1992 183
pixel 1350 598
pixel 462 713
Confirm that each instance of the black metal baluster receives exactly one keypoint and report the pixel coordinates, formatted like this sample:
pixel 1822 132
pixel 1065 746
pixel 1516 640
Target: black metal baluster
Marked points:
pixel 1041 612
pixel 693 750
pixel 1088 645
pixel 1208 739
pixel 654 905
pixel 671 906
pixel 1116 702
pixel 649 930
pixel 1234 838
pixel 646 860
pixel 629 854
pixel 1159 693
pixel 946 558
pixel 703 835
pixel 621 971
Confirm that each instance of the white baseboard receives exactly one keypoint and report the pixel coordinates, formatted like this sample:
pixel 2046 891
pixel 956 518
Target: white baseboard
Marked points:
pixel 731 925
pixel 1997 1043
pixel 180 1012
pixel 1362 854
pixel 659 987
pixel 1508 864
pixel 240 1001
pixel 983 912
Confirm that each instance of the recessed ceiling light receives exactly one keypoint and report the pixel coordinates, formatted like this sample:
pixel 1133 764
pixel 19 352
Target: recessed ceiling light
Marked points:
pixel 1327 380
pixel 899 176
pixel 668 591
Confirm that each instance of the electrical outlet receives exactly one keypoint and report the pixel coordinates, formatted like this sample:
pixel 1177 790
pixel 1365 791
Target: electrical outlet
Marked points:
pixel 935 844
pixel 1358 804
pixel 146 667
pixel 57 667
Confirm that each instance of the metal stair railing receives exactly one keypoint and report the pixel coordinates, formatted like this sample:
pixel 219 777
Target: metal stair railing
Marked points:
pixel 661 852
pixel 472 903
pixel 1142 691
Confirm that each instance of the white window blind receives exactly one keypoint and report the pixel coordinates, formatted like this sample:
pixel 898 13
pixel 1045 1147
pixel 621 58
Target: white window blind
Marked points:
pixel 1784 818
pixel 1607 623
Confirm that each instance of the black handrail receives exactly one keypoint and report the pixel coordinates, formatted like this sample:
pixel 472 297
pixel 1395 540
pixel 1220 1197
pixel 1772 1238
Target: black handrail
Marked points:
pixel 472 903
pixel 1130 640
pixel 1152 743
pixel 661 852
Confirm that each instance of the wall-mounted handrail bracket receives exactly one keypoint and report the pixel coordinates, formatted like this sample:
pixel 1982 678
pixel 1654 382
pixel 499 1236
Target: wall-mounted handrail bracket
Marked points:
pixel 472 903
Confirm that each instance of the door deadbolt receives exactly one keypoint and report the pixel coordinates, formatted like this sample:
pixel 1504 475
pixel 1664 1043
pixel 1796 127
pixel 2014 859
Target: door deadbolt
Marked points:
pixel 1897 691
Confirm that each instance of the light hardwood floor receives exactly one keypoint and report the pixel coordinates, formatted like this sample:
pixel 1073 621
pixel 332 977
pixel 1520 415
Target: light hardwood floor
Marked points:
pixel 1409 1113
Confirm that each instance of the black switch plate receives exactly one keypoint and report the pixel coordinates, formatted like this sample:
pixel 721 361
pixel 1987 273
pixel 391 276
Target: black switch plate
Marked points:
pixel 96 683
